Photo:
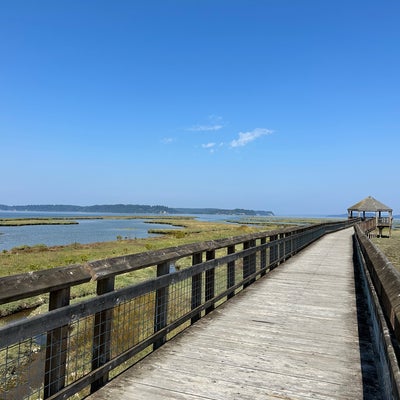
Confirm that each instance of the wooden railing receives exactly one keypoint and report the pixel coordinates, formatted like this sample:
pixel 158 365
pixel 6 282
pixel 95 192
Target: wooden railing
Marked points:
pixel 76 347
pixel 368 225
pixel 384 221
pixel 382 290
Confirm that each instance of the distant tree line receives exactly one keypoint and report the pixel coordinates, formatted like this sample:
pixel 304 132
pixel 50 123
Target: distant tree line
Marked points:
pixel 235 211
pixel 131 208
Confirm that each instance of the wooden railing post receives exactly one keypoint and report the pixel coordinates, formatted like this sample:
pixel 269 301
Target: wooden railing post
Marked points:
pixel 102 334
pixel 288 245
pixel 56 347
pixel 263 257
pixel 197 258
pixel 249 262
pixel 161 306
pixel 230 279
pixel 210 281
pixel 253 260
pixel 281 247
pixel 273 252
pixel 246 263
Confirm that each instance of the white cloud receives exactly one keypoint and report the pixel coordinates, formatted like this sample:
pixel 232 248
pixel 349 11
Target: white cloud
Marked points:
pixel 204 128
pixel 247 137
pixel 214 123
pixel 208 145
pixel 167 140
pixel 211 147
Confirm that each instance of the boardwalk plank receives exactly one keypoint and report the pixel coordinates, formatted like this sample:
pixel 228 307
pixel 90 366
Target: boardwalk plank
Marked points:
pixel 291 335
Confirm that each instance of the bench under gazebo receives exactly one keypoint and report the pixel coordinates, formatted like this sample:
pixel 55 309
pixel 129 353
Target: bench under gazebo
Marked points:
pixel 382 213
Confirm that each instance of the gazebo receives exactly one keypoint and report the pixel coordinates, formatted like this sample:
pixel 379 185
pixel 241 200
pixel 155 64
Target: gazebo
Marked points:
pixel 383 213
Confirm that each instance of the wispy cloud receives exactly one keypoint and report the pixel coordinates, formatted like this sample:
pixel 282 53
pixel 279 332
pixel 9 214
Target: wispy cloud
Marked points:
pixel 212 147
pixel 214 123
pixel 247 137
pixel 208 145
pixel 205 128
pixel 167 140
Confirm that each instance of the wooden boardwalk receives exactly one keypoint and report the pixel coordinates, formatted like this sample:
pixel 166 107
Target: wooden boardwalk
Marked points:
pixel 292 335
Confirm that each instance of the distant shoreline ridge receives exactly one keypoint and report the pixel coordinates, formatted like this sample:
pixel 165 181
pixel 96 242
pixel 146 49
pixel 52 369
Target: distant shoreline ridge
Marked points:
pixel 132 208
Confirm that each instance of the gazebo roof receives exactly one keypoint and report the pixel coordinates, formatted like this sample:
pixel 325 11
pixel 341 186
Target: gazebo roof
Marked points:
pixel 370 204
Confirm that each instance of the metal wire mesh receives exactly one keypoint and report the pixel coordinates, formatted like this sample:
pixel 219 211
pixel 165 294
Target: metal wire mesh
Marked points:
pixel 133 321
pixel 22 370
pixel 179 300
pixel 79 355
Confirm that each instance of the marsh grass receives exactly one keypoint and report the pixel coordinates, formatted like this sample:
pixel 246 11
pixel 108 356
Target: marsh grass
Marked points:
pixel 390 246
pixel 36 221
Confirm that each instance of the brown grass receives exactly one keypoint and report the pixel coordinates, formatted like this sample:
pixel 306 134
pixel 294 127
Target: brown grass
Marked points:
pixel 390 247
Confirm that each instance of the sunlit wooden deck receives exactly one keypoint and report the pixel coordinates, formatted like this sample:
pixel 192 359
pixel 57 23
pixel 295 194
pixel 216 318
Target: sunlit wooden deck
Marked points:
pixel 295 334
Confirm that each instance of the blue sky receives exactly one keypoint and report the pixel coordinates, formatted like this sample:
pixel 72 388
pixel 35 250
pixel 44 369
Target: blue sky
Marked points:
pixel 284 105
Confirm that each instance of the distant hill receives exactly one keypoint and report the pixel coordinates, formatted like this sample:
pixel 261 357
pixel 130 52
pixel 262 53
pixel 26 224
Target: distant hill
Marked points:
pixel 235 211
pixel 131 208
pixel 114 208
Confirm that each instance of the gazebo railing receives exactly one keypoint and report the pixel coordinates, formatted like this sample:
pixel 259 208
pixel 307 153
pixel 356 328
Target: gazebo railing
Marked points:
pixel 384 221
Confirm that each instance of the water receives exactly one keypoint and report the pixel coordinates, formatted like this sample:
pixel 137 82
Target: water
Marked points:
pixel 87 231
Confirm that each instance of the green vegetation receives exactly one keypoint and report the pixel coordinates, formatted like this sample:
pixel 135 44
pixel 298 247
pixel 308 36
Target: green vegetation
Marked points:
pixel 35 221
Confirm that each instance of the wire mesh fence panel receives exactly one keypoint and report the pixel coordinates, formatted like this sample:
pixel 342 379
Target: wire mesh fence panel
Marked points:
pixel 80 351
pixel 80 341
pixel 179 303
pixel 221 285
pixel 133 322
pixel 22 370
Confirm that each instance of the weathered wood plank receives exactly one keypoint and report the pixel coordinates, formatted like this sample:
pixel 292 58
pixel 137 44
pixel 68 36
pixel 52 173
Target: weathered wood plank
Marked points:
pixel 21 286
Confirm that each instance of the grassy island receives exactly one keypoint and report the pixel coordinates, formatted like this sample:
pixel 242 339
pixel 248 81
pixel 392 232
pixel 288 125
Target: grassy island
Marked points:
pixel 35 221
